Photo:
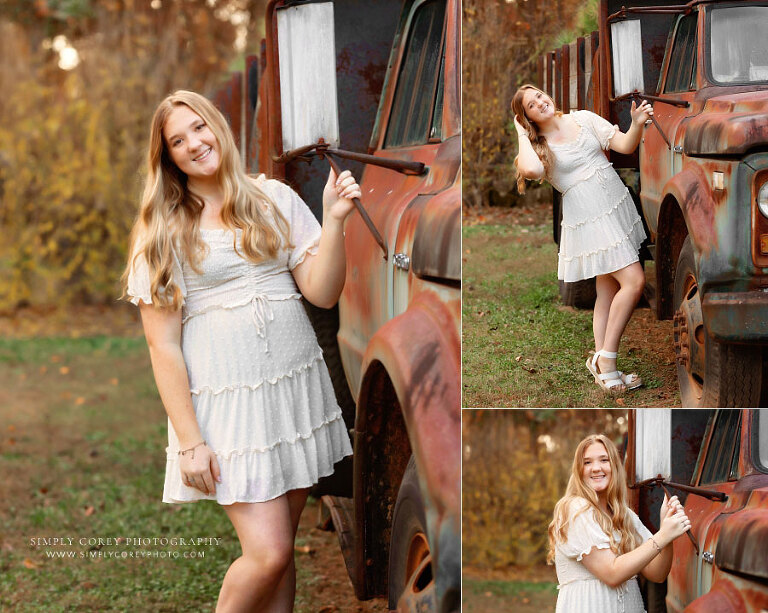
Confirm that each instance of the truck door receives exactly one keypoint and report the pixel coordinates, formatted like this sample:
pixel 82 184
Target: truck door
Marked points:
pixel 718 470
pixel 659 160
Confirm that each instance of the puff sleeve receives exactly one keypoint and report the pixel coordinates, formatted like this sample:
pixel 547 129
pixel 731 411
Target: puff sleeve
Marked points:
pixel 584 532
pixel 304 228
pixel 139 281
pixel 602 129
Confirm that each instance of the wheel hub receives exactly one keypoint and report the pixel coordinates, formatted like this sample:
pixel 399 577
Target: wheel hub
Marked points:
pixel 419 593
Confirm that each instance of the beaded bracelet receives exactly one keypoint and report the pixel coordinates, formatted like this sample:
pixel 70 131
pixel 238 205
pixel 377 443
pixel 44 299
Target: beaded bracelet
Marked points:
pixel 192 449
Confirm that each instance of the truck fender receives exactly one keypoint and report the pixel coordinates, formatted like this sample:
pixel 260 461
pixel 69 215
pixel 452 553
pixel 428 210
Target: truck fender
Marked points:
pixel 723 597
pixel 692 192
pixel 424 376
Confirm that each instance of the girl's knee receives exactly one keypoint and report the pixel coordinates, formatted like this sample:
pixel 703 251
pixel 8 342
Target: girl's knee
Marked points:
pixel 270 562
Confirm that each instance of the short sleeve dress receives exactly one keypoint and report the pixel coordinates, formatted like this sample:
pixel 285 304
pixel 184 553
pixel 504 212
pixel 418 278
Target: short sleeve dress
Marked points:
pixel 579 590
pixel 260 387
pixel 601 231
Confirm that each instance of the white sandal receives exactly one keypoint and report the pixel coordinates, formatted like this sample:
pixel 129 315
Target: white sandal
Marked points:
pixel 609 381
pixel 631 380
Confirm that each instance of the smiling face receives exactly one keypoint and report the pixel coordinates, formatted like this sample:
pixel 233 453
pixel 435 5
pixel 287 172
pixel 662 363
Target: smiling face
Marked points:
pixel 596 468
pixel 191 144
pixel 538 106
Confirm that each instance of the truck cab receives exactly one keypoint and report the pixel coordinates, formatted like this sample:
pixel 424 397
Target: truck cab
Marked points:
pixel 721 456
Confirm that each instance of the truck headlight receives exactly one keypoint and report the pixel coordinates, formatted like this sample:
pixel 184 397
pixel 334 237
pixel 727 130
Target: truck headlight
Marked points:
pixel 762 199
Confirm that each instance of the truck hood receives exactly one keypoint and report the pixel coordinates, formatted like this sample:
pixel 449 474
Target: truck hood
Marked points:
pixel 730 124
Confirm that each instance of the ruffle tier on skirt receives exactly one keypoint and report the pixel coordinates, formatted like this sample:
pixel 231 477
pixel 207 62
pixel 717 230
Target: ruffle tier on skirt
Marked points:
pixel 263 399
pixel 601 231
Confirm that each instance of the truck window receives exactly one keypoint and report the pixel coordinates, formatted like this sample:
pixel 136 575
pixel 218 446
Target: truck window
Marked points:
pixel 410 121
pixel 738 45
pixel 721 463
pixel 681 74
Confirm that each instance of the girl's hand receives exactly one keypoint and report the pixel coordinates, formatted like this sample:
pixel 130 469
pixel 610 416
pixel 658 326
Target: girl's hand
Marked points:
pixel 671 503
pixel 521 131
pixel 674 523
pixel 338 194
pixel 200 469
pixel 641 114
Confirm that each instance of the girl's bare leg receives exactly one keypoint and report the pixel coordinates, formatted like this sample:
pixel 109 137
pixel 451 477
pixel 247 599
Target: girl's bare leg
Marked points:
pixel 283 597
pixel 606 287
pixel 631 280
pixel 266 535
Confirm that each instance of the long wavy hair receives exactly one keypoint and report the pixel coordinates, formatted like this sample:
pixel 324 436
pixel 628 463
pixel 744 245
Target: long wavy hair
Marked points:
pixel 538 141
pixel 169 214
pixel 616 519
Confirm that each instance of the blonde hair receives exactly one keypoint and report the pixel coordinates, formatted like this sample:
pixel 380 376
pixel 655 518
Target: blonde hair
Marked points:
pixel 538 141
pixel 169 214
pixel 616 519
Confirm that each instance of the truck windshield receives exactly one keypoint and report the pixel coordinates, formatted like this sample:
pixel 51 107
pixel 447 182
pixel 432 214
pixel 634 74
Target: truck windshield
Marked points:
pixel 738 45
pixel 761 440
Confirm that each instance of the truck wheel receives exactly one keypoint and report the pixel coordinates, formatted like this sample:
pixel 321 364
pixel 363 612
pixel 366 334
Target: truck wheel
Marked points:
pixel 710 374
pixel 581 294
pixel 411 581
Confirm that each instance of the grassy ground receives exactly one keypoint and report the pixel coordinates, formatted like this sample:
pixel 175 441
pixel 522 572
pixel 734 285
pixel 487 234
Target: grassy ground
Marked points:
pixel 522 348
pixel 495 593
pixel 82 450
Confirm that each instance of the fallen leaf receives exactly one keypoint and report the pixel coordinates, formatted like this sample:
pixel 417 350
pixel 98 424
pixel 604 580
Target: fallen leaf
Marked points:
pixel 55 358
pixel 620 402
pixel 11 427
pixel 30 564
pixel 303 549
pixel 518 358
pixel 87 585
pixel 89 511
pixel 328 609
pixel 79 400
pixel 43 369
pixel 64 370
pixel 113 381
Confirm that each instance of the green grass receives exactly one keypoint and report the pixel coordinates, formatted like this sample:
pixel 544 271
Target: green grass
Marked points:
pixel 482 595
pixel 83 439
pixel 521 347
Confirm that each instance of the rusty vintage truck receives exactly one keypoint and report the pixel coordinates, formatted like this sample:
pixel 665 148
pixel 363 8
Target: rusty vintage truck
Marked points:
pixel 387 90
pixel 699 176
pixel 716 461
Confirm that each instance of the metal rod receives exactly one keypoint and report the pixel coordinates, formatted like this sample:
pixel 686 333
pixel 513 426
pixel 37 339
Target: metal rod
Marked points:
pixel 690 536
pixel 363 213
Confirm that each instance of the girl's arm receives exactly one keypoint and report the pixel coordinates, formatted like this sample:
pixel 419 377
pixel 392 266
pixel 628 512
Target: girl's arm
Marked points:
pixel 614 570
pixel 320 277
pixel 658 569
pixel 162 328
pixel 627 143
pixel 528 163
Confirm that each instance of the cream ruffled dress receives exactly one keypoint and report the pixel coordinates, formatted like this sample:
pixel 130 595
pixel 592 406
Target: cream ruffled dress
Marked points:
pixel 601 230
pixel 260 387
pixel 579 590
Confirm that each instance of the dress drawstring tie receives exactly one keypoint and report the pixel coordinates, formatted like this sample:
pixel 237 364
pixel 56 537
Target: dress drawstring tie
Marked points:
pixel 261 312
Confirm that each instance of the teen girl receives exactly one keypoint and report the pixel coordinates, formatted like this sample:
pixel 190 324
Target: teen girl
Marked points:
pixel 601 230
pixel 598 543
pixel 219 262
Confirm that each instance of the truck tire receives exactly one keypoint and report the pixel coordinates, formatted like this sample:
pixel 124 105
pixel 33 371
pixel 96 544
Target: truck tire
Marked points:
pixel 411 582
pixel 710 374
